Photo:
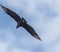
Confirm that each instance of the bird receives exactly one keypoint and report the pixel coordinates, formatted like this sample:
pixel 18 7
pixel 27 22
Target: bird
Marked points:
pixel 21 22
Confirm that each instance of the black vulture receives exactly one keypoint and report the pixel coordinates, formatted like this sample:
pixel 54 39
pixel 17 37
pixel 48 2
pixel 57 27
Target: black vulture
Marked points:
pixel 21 22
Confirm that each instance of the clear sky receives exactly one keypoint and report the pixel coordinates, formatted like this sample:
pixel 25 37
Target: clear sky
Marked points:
pixel 42 15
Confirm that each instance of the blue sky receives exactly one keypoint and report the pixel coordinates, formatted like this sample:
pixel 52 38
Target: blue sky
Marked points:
pixel 43 16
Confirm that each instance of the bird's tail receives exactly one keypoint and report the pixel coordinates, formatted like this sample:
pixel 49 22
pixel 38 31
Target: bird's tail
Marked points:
pixel 18 25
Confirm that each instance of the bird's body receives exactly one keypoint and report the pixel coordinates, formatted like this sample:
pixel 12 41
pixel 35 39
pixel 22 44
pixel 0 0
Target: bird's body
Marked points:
pixel 21 22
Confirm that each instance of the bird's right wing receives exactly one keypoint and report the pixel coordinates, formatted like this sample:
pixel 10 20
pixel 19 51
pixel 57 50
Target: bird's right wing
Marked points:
pixel 31 31
pixel 11 13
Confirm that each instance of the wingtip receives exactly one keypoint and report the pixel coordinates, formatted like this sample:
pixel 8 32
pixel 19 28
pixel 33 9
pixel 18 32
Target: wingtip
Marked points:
pixel 4 8
pixel 39 39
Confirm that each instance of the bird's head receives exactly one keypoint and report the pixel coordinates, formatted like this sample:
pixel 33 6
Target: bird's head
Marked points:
pixel 23 20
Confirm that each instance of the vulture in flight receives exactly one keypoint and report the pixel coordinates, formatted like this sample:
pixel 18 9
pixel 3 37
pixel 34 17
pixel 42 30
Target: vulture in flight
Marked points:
pixel 21 22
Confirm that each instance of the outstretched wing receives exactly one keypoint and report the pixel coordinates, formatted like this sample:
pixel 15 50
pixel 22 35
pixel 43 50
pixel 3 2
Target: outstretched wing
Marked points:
pixel 17 19
pixel 31 31
pixel 11 13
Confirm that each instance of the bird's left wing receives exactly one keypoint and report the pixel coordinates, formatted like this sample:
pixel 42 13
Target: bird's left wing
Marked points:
pixel 31 31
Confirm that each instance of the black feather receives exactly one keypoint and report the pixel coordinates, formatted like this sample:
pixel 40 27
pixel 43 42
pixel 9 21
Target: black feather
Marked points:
pixel 11 13
pixel 31 31
pixel 21 22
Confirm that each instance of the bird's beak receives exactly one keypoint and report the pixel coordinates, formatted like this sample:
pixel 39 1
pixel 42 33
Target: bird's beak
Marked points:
pixel 4 8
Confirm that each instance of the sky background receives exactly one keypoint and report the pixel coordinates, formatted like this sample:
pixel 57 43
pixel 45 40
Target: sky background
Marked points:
pixel 42 15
